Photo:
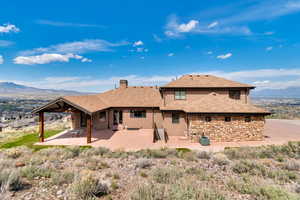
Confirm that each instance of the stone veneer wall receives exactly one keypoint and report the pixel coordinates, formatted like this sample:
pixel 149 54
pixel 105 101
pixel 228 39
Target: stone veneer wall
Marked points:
pixel 220 131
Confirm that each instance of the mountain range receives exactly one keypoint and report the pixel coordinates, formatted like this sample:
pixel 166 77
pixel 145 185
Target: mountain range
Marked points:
pixel 13 90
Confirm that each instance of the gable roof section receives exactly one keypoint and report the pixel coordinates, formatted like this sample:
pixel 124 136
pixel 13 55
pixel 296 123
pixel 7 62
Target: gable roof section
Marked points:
pixel 204 81
pixel 214 103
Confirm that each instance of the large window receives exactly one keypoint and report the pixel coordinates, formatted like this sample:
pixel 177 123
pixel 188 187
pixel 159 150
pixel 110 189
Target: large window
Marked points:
pixel 235 94
pixel 175 118
pixel 180 95
pixel 102 116
pixel 227 119
pixel 208 119
pixel 247 119
pixel 138 113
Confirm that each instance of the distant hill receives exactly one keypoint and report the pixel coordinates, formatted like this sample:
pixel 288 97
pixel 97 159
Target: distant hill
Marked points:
pixel 291 92
pixel 13 90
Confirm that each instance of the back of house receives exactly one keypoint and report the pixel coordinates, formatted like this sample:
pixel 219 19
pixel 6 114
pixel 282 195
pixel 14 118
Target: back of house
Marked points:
pixel 191 106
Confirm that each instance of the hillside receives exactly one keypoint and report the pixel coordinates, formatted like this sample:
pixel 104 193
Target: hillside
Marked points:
pixel 13 90
pixel 291 92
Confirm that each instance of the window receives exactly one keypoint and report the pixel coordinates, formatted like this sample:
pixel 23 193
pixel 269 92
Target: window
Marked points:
pixel 235 94
pixel 248 119
pixel 180 95
pixel 175 118
pixel 208 119
pixel 138 113
pixel 227 119
pixel 102 116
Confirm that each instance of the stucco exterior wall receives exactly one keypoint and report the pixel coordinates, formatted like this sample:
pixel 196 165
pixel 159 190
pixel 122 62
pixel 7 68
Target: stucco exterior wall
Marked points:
pixel 131 122
pixel 220 131
pixel 174 129
pixel 193 95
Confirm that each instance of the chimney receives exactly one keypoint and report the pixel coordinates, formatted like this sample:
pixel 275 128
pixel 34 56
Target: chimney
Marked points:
pixel 123 84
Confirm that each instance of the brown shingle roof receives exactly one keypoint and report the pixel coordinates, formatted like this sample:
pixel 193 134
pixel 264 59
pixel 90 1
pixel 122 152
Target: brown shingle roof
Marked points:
pixel 204 81
pixel 214 103
pixel 121 97
pixel 132 97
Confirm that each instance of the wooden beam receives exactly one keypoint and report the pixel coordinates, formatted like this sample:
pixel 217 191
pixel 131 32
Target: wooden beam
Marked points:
pixel 89 128
pixel 41 126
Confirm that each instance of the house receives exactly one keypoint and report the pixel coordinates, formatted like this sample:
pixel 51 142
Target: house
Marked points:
pixel 190 106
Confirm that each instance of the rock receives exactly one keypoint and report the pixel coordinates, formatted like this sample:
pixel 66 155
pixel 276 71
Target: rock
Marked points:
pixel 59 192
pixel 19 164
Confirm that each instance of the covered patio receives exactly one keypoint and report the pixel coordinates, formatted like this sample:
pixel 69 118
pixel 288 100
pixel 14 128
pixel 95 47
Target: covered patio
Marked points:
pixel 277 132
pixel 63 105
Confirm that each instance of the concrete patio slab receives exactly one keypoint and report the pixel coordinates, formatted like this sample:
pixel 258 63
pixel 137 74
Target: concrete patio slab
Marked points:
pixel 277 132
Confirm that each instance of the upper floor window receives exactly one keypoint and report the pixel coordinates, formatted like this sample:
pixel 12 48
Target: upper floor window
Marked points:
pixel 102 116
pixel 180 95
pixel 138 113
pixel 175 118
pixel 235 94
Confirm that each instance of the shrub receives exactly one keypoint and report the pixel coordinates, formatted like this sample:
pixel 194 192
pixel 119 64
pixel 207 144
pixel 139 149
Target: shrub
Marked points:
pixel 89 187
pixel 199 172
pixel 57 153
pixel 204 155
pixel 220 159
pixel 166 175
pixel 63 177
pixel 143 174
pixel 251 167
pixel 17 152
pixel 189 156
pixel 143 163
pixel 274 193
pixel 292 165
pixel 32 172
pixel 148 192
pixel 99 151
pixel 11 180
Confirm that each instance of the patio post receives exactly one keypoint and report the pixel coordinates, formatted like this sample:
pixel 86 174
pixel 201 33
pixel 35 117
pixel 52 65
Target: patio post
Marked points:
pixel 89 128
pixel 41 126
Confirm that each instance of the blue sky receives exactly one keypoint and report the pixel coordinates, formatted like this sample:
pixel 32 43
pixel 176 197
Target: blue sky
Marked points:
pixel 90 45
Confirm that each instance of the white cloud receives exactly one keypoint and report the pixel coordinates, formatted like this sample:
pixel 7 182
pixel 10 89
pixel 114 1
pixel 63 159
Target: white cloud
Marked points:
pixel 232 19
pixel 171 54
pixel 174 29
pixel 212 25
pixel 1 59
pixel 67 24
pixel 5 43
pixel 209 52
pixel 77 47
pixel 157 38
pixel 6 28
pixel 138 43
pixel 225 56
pixel 86 60
pixel 48 58
pixel 192 24
pixel 269 48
